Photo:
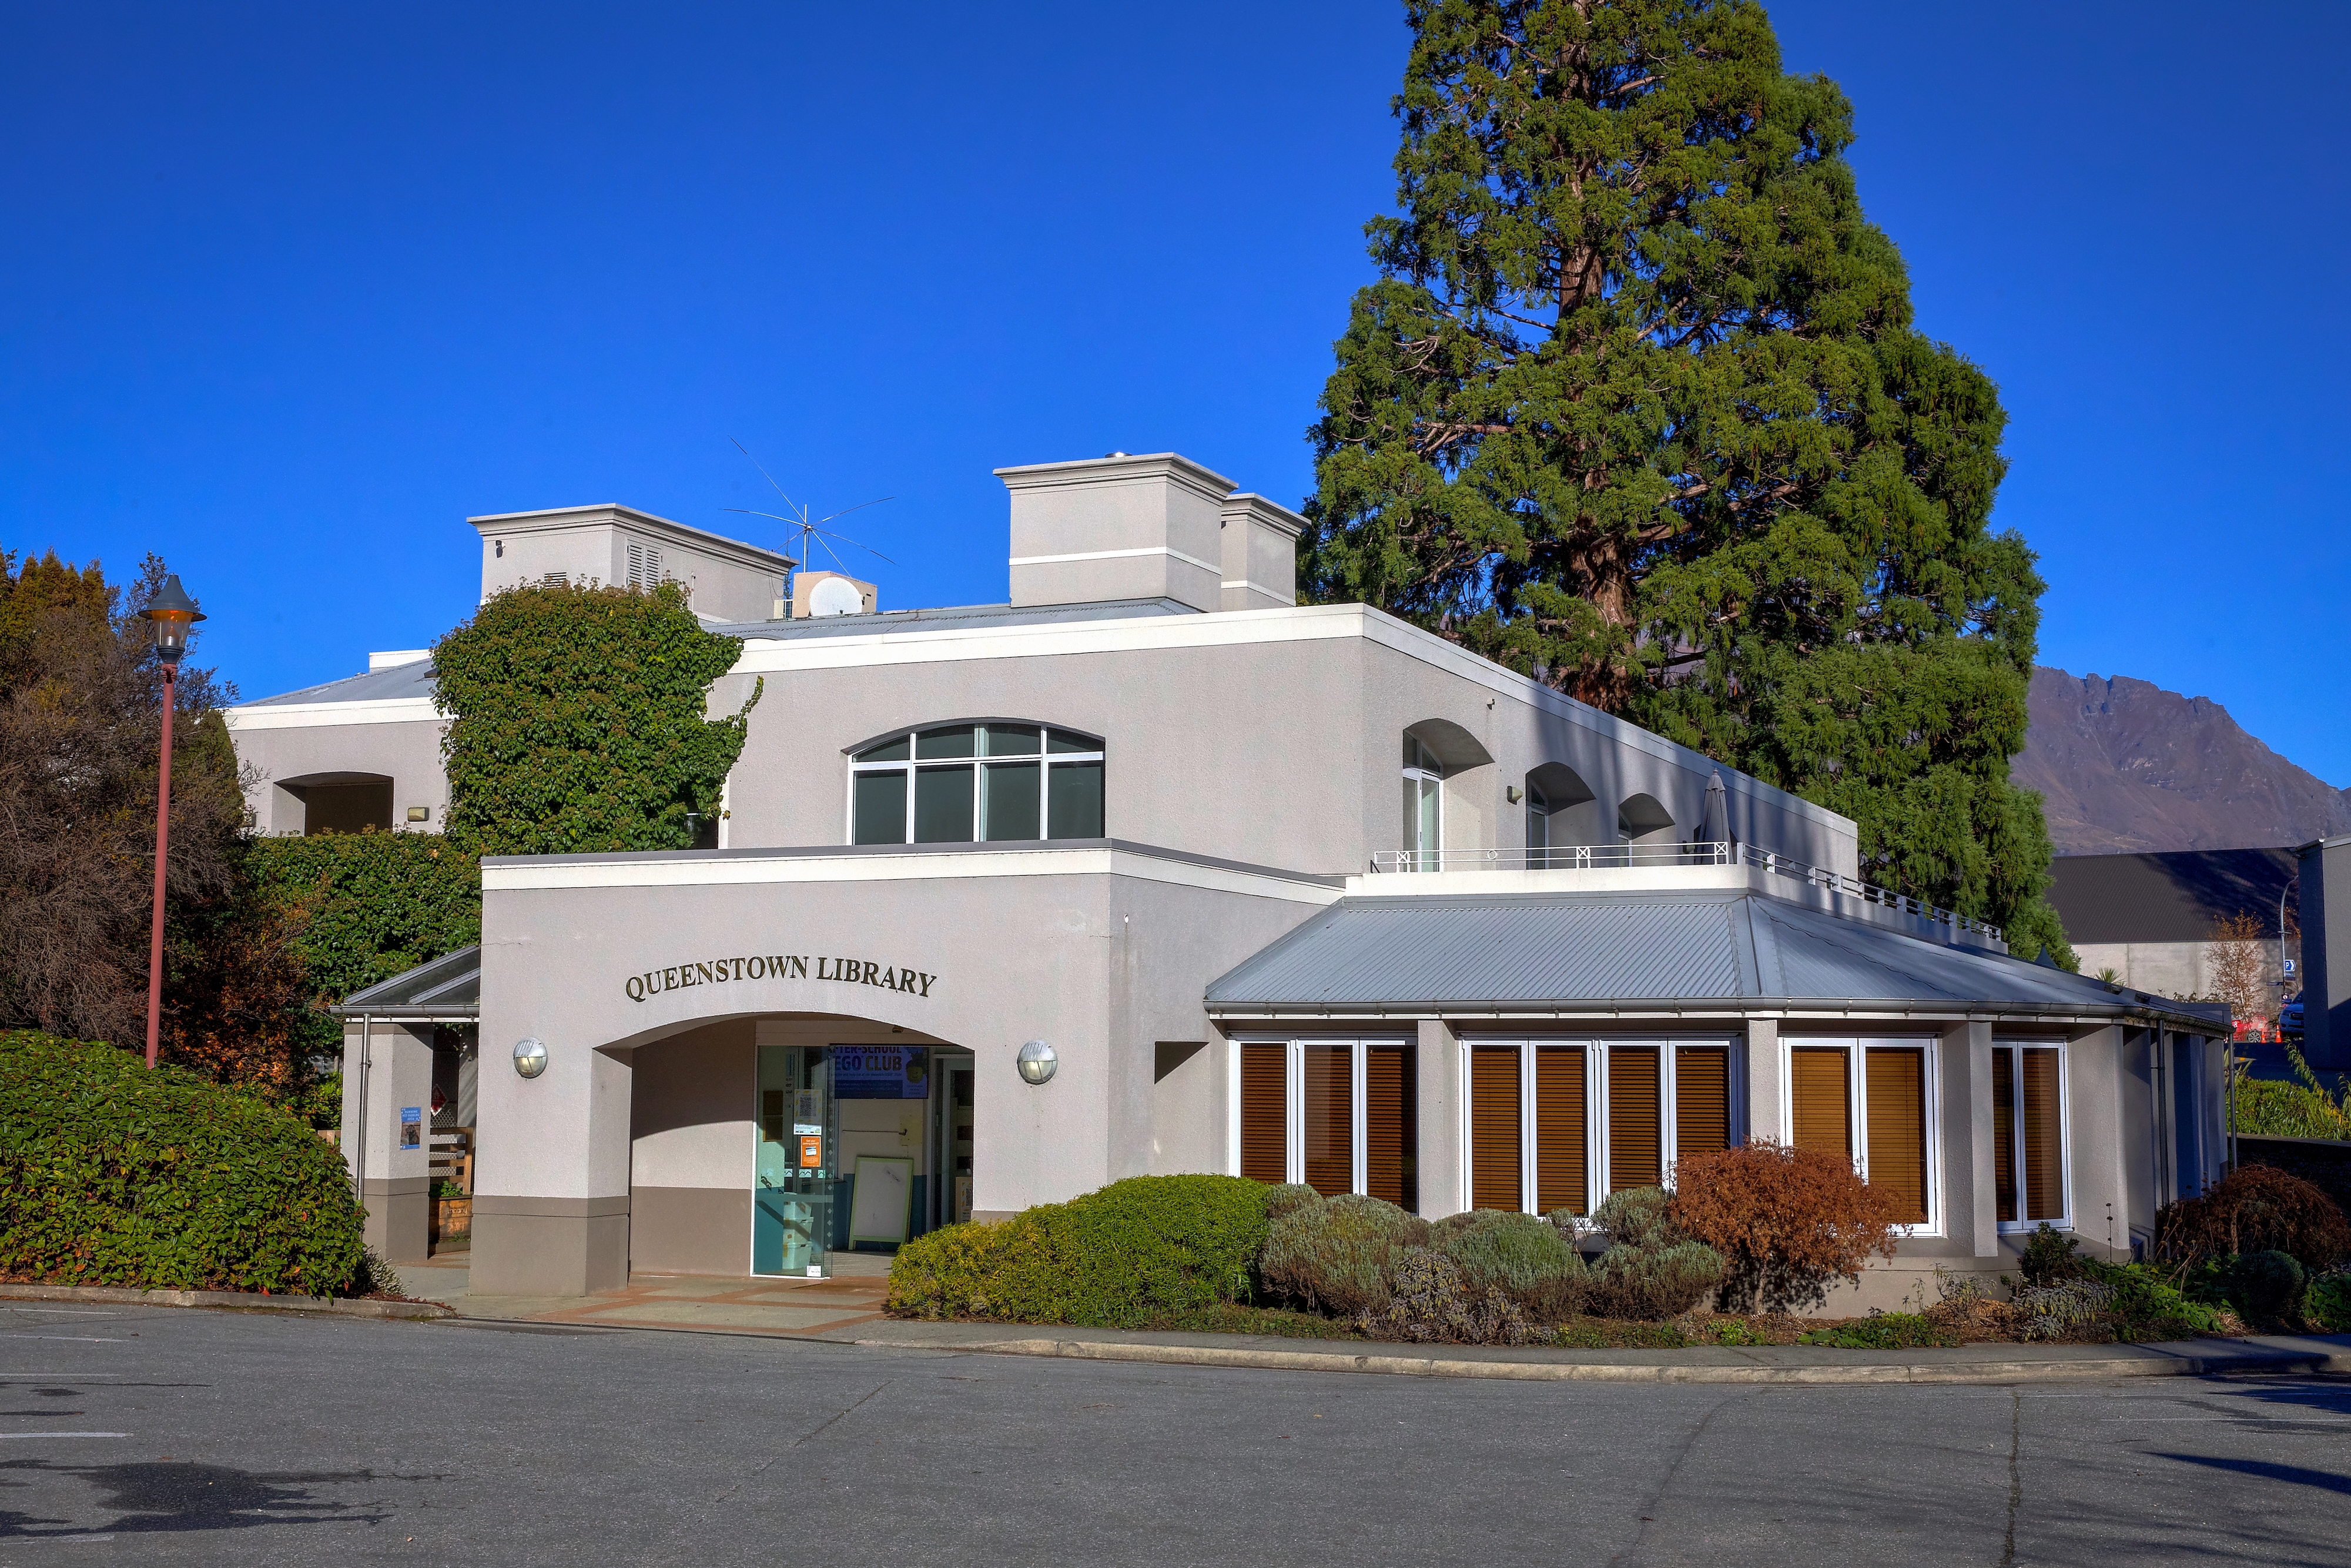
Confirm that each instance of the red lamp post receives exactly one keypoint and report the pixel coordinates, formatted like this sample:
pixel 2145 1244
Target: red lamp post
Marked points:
pixel 171 613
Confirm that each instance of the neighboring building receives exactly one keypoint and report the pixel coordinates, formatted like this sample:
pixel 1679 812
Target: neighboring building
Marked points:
pixel 1295 893
pixel 2148 918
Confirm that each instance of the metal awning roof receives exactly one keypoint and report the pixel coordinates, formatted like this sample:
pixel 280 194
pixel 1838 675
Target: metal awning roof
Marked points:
pixel 447 989
pixel 1662 951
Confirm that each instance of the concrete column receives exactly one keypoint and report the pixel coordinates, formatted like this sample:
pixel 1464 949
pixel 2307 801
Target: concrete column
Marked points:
pixel 1971 1162
pixel 388 1085
pixel 1438 1068
pixel 1763 1081
pixel 551 1184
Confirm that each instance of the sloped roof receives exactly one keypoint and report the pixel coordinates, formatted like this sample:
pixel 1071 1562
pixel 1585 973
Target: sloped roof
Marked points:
pixel 1625 951
pixel 445 988
pixel 2172 897
pixel 410 680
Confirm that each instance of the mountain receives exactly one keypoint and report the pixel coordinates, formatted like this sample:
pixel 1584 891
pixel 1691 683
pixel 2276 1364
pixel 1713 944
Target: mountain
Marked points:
pixel 2123 765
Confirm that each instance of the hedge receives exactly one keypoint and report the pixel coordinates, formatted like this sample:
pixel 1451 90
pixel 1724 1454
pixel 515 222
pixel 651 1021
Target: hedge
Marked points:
pixel 114 1175
pixel 1134 1252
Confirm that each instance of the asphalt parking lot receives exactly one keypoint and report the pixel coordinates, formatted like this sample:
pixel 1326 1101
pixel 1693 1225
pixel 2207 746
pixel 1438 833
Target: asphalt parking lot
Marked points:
pixel 134 1435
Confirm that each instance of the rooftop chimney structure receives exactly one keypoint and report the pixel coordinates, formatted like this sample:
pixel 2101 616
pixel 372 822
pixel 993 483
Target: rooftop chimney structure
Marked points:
pixel 1118 528
pixel 725 580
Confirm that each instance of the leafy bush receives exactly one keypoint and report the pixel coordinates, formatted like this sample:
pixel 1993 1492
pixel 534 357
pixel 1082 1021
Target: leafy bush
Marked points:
pixel 2145 1304
pixel 1639 1216
pixel 1283 1196
pixel 2266 1286
pixel 1522 1256
pixel 1786 1221
pixel 1134 1252
pixel 2050 1257
pixel 2256 1208
pixel 1652 1282
pixel 2327 1308
pixel 2267 1108
pixel 113 1174
pixel 1430 1299
pixel 1339 1255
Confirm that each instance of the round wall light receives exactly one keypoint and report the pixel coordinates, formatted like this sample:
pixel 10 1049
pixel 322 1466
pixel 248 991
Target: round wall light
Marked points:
pixel 530 1056
pixel 1037 1061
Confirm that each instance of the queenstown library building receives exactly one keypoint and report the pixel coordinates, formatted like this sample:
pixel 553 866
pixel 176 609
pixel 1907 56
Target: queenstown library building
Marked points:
pixel 1153 869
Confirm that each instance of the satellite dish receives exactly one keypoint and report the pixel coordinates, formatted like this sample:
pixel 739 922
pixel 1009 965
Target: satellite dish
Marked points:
pixel 835 596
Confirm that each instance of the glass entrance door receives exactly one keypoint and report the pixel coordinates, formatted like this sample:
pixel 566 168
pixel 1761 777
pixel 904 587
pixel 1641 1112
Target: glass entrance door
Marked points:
pixel 797 1162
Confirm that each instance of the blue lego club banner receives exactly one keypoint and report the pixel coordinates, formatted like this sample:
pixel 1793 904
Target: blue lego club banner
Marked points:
pixel 880 1073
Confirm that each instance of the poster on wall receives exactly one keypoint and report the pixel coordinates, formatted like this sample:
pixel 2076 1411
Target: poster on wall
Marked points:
pixel 880 1073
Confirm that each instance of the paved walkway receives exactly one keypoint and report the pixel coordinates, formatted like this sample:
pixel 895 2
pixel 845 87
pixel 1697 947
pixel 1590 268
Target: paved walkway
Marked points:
pixel 846 1309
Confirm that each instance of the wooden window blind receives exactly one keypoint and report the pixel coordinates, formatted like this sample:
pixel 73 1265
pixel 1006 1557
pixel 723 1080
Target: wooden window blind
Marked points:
pixel 1633 1132
pixel 1327 1119
pixel 1818 1095
pixel 1265 1114
pixel 1701 1100
pixel 1494 1128
pixel 1895 1083
pixel 2044 1146
pixel 1560 1155
pixel 1390 1126
pixel 2003 1131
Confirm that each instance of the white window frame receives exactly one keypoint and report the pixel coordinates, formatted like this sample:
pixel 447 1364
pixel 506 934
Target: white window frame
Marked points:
pixel 1595 1104
pixel 1425 857
pixel 977 764
pixel 2021 1226
pixel 1856 1080
pixel 1293 1100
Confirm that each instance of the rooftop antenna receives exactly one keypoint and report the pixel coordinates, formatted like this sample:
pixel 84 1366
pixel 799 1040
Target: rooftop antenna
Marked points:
pixel 812 535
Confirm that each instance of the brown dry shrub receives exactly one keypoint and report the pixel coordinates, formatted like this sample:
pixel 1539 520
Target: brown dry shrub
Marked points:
pixel 1787 1222
pixel 2256 1208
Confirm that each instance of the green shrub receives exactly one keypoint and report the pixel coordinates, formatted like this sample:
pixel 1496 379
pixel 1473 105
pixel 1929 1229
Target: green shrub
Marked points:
pixel 1283 1196
pixel 114 1175
pixel 1339 1255
pixel 1524 1258
pixel 2050 1257
pixel 1127 1256
pixel 2269 1109
pixel 2145 1304
pixel 1652 1282
pixel 1430 1301
pixel 1881 1330
pixel 1636 1218
pixel 2327 1307
pixel 2256 1208
pixel 2266 1286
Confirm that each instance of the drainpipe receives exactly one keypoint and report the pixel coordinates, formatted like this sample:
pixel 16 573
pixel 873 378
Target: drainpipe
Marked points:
pixel 358 1156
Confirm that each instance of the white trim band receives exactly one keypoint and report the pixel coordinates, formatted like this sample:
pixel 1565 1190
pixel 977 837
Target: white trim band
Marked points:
pixel 1112 555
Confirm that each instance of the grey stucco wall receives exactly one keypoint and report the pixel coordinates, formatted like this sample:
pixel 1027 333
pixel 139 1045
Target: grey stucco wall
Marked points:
pixel 407 753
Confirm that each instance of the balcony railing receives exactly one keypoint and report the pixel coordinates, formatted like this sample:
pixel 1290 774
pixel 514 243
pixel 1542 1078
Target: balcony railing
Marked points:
pixel 1617 857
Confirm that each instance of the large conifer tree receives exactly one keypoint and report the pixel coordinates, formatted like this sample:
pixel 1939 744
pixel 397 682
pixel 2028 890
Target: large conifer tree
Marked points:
pixel 1636 407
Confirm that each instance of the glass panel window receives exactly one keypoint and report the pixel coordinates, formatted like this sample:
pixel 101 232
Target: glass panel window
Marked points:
pixel 1061 740
pixel 1073 800
pixel 1634 1158
pixel 896 751
pixel 943 805
pixel 1701 1100
pixel 1008 799
pixel 879 808
pixel 1494 1148
pixel 954 740
pixel 1265 1113
pixel 1006 740
pixel 1390 1126
pixel 1561 1181
pixel 1327 1118
pixel 1894 1083
pixel 1820 1098
pixel 2029 1128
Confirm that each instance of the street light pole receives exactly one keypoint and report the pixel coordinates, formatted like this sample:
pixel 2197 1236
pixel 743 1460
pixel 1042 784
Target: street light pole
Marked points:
pixel 170 614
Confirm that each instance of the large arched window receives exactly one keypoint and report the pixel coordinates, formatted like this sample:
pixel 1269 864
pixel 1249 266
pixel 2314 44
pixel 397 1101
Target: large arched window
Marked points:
pixel 984 781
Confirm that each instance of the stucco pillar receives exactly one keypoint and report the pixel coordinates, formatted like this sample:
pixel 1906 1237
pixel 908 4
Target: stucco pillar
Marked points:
pixel 1439 1070
pixel 551 1182
pixel 1970 1162
pixel 388 1085
pixel 1763 1081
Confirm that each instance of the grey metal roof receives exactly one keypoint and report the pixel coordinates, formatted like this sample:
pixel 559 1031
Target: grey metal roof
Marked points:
pixel 1629 950
pixel 448 987
pixel 376 686
pixel 2170 897
pixel 955 616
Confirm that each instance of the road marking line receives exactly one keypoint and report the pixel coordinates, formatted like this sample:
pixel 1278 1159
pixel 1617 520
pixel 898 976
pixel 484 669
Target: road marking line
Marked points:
pixel 78 1338
pixel 64 1434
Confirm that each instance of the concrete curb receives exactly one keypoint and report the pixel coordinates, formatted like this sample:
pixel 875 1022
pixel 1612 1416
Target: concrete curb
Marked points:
pixel 250 1301
pixel 2159 1364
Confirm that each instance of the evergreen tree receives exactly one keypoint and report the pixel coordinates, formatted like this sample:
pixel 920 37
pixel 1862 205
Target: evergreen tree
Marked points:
pixel 1636 408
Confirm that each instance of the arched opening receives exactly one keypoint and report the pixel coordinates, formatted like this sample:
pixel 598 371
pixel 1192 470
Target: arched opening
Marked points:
pixel 1436 750
pixel 1641 820
pixel 1562 812
pixel 975 781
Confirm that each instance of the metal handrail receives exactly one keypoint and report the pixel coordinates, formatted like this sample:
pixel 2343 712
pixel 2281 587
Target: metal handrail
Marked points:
pixel 1606 857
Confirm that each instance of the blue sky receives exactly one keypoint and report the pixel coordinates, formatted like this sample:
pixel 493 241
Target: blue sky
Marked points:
pixel 291 291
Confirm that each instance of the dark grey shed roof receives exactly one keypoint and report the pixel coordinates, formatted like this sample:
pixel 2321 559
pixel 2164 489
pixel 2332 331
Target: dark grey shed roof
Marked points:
pixel 414 679
pixel 1627 951
pixel 447 988
pixel 2172 897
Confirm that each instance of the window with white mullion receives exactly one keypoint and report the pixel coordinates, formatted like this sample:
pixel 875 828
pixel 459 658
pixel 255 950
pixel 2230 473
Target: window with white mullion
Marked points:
pixel 977 783
pixel 1360 1119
